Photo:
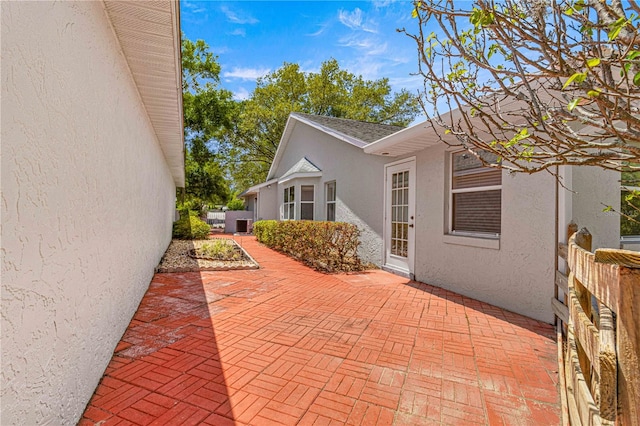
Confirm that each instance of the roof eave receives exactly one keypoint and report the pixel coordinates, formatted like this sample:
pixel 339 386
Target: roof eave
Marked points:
pixel 299 176
pixel 256 188
pixel 328 130
pixel 406 141
pixel 160 96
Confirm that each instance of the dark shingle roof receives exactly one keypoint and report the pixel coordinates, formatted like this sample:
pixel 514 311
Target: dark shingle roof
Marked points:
pixel 366 132
pixel 302 166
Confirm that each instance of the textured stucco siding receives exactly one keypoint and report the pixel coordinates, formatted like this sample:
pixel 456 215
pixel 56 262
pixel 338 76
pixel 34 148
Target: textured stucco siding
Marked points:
pixel 359 183
pixel 87 206
pixel 232 216
pixel 593 189
pixel 268 202
pixel 517 276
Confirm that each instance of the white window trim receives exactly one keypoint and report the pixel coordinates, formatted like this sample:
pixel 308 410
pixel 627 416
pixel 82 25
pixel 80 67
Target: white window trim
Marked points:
pixel 286 204
pixel 308 202
pixel 450 231
pixel 299 175
pixel 327 202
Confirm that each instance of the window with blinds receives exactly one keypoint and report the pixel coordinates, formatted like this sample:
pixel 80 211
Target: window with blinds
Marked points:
pixel 475 195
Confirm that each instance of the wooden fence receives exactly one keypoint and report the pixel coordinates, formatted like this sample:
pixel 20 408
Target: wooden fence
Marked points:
pixel 598 306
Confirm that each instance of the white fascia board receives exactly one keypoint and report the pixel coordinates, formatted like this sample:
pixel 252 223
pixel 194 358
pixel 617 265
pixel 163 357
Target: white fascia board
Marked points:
pixel 288 129
pixel 300 175
pixel 256 188
pixel 418 132
pixel 338 135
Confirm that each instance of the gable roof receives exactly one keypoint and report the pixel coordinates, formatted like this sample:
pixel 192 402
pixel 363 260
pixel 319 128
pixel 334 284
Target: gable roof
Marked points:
pixel 354 132
pixel 362 130
pixel 302 166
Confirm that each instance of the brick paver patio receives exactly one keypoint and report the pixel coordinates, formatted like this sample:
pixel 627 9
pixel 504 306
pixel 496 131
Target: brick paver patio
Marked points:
pixel 288 345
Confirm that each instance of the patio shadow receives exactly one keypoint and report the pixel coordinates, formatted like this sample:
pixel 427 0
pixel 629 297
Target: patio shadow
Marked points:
pixel 166 369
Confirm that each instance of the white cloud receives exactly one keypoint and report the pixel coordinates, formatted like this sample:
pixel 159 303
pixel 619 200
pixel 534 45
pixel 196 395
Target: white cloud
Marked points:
pixel 370 46
pixel 352 20
pixel 239 32
pixel 194 14
pixel 246 73
pixel 241 94
pixel 320 31
pixel 241 18
pixel 379 4
pixel 355 20
pixel 193 8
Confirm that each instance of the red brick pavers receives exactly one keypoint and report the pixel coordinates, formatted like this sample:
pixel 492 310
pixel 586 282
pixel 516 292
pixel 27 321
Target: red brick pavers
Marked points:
pixel 287 345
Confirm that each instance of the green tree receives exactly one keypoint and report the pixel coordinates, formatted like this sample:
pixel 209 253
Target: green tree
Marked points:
pixel 208 111
pixel 540 84
pixel 332 91
pixel 205 183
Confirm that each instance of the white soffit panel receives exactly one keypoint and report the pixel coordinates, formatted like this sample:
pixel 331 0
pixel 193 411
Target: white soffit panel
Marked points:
pixel 149 35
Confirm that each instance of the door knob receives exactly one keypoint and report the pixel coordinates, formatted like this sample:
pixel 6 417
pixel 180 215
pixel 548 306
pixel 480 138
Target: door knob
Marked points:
pixel 411 225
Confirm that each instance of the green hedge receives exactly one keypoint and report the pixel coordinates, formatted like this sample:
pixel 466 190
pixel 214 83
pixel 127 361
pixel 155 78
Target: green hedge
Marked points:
pixel 327 246
pixel 190 227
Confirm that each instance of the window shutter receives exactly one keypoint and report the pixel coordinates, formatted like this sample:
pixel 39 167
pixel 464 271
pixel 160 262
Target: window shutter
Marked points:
pixel 477 212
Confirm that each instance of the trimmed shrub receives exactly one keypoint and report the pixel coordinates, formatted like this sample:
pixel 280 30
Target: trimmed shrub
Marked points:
pixel 190 227
pixel 235 204
pixel 326 246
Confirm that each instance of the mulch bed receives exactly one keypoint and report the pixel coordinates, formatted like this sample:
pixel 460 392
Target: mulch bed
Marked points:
pixel 177 258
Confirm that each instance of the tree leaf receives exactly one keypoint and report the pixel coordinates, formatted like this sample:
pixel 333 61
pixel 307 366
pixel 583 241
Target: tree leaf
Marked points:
pixel 578 77
pixel 632 55
pixel 573 104
pixel 616 27
pixel 593 62
pixel 593 93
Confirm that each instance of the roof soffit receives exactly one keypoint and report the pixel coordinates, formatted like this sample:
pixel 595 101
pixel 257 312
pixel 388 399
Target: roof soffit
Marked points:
pixel 149 36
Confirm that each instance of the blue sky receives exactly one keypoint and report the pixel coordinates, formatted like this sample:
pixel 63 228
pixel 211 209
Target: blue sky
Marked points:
pixel 252 38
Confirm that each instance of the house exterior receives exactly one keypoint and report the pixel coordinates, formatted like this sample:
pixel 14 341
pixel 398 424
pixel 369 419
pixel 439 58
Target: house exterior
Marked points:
pixel 92 153
pixel 321 173
pixel 435 214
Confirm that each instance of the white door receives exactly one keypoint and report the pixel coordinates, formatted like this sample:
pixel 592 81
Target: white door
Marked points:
pixel 399 217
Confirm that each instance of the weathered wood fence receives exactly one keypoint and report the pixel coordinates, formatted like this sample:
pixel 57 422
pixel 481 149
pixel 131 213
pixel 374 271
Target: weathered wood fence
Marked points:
pixel 597 304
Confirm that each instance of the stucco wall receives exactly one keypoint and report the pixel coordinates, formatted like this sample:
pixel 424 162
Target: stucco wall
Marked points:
pixel 593 189
pixel 231 216
pixel 87 206
pixel 268 202
pixel 518 275
pixel 359 180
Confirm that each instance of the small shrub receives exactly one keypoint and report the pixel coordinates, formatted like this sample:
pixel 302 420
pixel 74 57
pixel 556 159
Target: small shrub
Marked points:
pixel 327 246
pixel 264 230
pixel 190 227
pixel 219 250
pixel 235 204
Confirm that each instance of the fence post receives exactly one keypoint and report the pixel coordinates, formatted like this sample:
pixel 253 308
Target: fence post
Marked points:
pixel 628 346
pixel 583 239
pixel 627 332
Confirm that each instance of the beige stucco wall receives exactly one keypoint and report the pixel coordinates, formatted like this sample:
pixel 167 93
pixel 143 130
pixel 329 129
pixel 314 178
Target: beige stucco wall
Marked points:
pixel 518 273
pixel 359 178
pixel 593 189
pixel 87 206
